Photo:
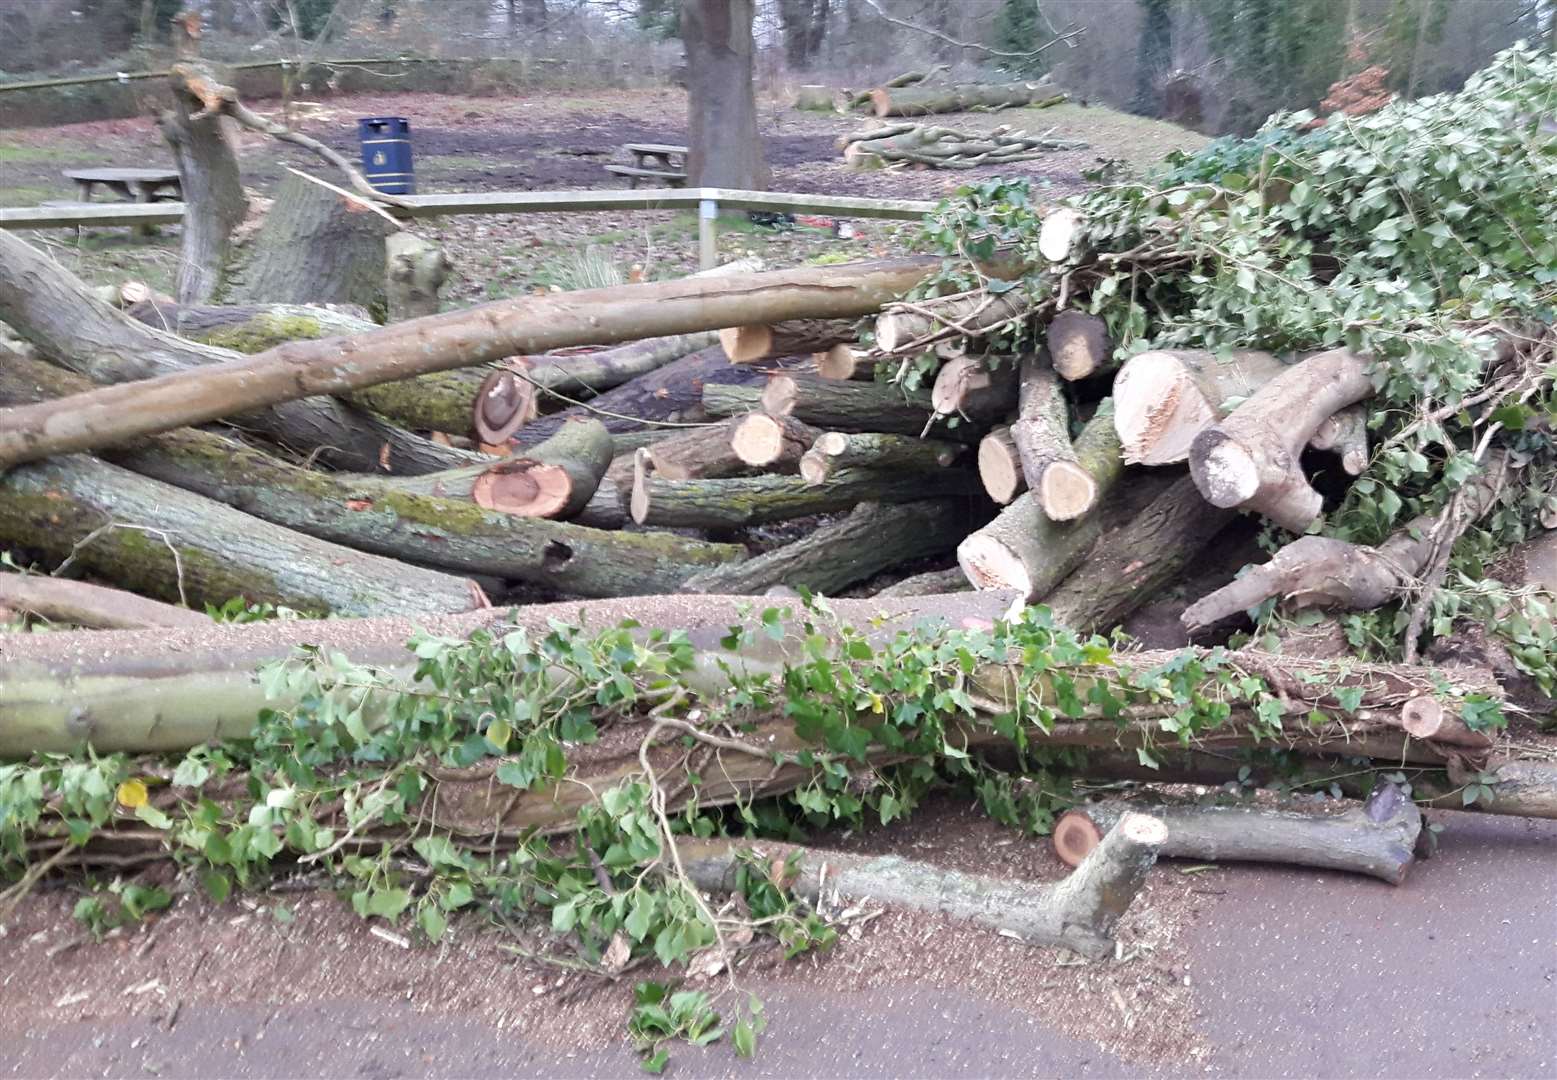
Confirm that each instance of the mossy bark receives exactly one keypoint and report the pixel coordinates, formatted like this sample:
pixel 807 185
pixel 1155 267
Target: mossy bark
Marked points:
pixel 861 406
pixel 753 500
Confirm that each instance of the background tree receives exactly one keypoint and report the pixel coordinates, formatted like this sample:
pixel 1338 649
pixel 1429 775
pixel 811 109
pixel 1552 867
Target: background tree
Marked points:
pixel 803 24
pixel 1021 27
pixel 1154 56
pixel 724 147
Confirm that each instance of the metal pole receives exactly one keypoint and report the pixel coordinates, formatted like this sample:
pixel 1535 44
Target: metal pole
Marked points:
pixel 707 234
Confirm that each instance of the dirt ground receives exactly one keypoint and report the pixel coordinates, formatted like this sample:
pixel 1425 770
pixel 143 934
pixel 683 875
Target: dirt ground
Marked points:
pixel 555 142
pixel 1232 970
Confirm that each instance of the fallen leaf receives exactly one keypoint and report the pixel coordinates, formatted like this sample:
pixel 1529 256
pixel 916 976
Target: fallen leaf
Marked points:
pixel 131 793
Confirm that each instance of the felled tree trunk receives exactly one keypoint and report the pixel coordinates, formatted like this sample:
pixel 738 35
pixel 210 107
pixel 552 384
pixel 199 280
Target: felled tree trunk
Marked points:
pixel 816 99
pixel 1079 346
pixel 415 270
pixel 1377 838
pixel 1041 434
pixel 858 406
pixel 363 513
pixel 441 343
pixel 758 341
pixel 214 202
pixel 698 453
pixel 773 443
pixel 1078 913
pixel 50 307
pixel 966 314
pixel 872 538
pixel 943 148
pixel 314 247
pixel 1162 400
pixel 754 500
pixel 962 97
pixel 1251 459
pixel 1024 550
pixel 1320 571
pixel 1134 562
pixel 929 583
pixel 93 607
pixel 162 541
pixel 837 450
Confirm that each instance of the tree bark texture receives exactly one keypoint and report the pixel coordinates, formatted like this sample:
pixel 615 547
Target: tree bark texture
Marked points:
pixel 724 148
pixel 873 537
pixel 1377 839
pixel 441 343
pixel 1162 400
pixel 365 513
pixel 1041 433
pixel 414 271
pixel 755 500
pixel 160 540
pixel 962 97
pixel 92 607
pixel 1251 459
pixel 859 406
pixel 214 202
pixel 314 247
pixel 838 450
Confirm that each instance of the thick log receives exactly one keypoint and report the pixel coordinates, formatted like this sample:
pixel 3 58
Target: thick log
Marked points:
pixel 162 541
pixel 1162 400
pixel 443 342
pixel 845 361
pixel 872 538
pixel 1024 550
pixel 1251 459
pixel 314 247
pixel 50 307
pixel 1000 466
pixel 837 450
pixel 209 181
pixel 415 269
pixel 962 97
pixel 977 388
pixel 945 148
pixel 859 406
pixel 1378 838
pixel 816 99
pixel 1131 564
pixel 1078 913
pixel 726 400
pixel 774 443
pixel 930 583
pixel 699 453
pixel 963 315
pixel 363 513
pixel 1321 571
pixel 754 500
pixel 93 607
pixel 1078 345
pixel 1041 432
pixel 760 341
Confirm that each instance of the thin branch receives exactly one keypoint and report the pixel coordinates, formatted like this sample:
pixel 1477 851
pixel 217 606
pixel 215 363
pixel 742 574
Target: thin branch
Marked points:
pixel 1073 32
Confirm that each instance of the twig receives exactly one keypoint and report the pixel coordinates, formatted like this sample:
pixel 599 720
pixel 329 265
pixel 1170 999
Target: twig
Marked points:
pixel 1074 32
pixel 178 562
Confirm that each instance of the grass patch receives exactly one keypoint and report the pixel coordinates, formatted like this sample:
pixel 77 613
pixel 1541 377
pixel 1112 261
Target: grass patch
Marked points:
pixel 67 153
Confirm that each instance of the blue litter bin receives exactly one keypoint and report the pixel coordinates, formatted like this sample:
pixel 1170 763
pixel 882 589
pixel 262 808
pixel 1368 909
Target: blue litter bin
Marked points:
pixel 386 154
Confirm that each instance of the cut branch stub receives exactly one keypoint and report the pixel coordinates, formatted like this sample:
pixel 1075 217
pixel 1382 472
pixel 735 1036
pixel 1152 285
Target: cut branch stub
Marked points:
pixel 1078 345
pixel 844 361
pixel 1345 433
pixel 503 405
pixel 1251 459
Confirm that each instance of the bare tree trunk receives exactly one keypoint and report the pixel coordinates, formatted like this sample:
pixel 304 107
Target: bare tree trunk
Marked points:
pixel 725 149
pixel 214 203
pixel 315 247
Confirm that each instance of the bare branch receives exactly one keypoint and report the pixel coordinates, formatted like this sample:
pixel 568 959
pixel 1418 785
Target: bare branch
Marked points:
pixel 1072 32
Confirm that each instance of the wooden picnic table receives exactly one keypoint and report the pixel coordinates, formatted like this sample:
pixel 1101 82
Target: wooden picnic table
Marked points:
pixel 136 185
pixel 661 155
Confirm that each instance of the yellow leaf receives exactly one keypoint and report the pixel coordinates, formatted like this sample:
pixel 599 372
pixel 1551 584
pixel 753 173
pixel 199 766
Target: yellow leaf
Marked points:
pixel 131 793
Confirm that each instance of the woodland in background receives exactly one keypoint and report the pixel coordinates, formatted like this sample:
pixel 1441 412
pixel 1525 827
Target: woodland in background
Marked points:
pixel 1216 65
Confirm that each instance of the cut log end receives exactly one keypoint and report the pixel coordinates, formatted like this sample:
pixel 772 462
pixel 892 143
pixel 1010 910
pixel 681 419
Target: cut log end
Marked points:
pixel 843 362
pixel 815 468
pixel 1000 468
pixel 761 440
pixel 1067 491
pixel 1075 835
pixel 523 488
pixel 1057 235
pixel 746 344
pixel 503 405
pixel 1425 717
pixel 1227 474
pixel 1143 830
pixel 990 564
pixel 643 468
pixel 1158 409
pixel 1078 345
pixel 778 397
